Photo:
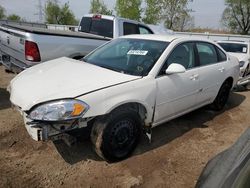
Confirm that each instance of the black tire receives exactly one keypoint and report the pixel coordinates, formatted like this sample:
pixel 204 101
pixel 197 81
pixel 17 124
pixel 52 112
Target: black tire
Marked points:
pixel 222 96
pixel 116 135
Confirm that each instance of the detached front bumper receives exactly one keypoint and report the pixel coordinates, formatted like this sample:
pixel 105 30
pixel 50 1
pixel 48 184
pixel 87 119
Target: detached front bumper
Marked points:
pixel 43 131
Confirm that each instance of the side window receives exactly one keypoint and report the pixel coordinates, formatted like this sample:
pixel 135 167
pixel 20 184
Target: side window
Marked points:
pixel 207 53
pixel 129 28
pixel 221 55
pixel 182 54
pixel 144 30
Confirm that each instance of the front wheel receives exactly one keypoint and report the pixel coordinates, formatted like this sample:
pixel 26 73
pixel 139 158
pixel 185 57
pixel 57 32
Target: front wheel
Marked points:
pixel 222 97
pixel 116 135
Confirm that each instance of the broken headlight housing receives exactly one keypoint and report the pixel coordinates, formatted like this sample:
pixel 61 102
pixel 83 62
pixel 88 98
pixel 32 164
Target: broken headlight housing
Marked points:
pixel 60 110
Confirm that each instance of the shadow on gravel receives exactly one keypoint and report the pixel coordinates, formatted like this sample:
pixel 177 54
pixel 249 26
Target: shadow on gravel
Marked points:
pixel 169 131
pixel 162 134
pixel 4 99
pixel 81 151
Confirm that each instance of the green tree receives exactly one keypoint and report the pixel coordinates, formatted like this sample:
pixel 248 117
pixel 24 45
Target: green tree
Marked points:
pixel 56 14
pixel 152 11
pixel 2 12
pixel 130 9
pixel 175 13
pixel 14 17
pixel 236 16
pixel 98 7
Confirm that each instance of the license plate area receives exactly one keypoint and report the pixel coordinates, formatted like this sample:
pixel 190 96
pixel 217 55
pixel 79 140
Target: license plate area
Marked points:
pixel 6 58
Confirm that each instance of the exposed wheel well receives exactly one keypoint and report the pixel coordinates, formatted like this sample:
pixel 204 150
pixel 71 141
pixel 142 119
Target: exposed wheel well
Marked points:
pixel 230 80
pixel 142 112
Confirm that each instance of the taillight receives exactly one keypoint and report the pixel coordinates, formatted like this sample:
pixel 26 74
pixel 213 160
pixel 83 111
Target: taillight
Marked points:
pixel 32 52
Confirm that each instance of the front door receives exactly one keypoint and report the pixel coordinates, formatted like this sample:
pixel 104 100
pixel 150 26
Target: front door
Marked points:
pixel 176 93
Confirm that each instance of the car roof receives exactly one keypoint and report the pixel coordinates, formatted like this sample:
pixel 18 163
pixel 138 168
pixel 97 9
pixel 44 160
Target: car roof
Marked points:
pixel 232 41
pixel 166 38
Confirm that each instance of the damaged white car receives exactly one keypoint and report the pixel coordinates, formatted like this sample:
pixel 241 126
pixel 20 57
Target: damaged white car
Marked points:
pixel 123 88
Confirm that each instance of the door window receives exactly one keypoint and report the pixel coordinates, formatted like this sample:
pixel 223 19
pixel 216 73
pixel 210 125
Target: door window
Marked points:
pixel 221 55
pixel 207 53
pixel 183 55
pixel 144 30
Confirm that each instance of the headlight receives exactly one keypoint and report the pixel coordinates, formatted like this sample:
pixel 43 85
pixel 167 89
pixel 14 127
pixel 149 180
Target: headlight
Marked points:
pixel 59 110
pixel 242 63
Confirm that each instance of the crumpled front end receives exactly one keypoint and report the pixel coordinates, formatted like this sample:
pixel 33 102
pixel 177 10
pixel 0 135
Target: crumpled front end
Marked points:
pixel 44 131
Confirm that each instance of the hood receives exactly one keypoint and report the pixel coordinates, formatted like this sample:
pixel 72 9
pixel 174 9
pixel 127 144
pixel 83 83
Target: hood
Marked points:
pixel 240 56
pixel 61 78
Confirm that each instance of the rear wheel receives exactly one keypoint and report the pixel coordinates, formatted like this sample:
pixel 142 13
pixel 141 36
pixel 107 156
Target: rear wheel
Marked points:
pixel 116 135
pixel 222 97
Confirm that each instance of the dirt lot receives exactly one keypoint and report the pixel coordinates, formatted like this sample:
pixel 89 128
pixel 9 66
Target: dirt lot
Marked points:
pixel 180 150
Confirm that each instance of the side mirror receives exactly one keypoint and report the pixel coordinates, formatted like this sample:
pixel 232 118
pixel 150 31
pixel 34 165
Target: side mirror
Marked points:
pixel 175 68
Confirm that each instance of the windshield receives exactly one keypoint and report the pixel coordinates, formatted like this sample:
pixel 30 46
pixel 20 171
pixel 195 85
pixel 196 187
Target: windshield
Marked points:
pixel 234 47
pixel 128 56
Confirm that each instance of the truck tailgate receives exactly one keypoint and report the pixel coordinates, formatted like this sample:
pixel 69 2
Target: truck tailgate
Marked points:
pixel 12 45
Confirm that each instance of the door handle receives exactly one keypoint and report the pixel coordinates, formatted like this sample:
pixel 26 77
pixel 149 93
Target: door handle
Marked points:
pixel 222 69
pixel 194 77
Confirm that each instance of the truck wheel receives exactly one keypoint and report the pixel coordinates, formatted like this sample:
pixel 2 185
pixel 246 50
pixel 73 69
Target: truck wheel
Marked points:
pixel 222 97
pixel 116 135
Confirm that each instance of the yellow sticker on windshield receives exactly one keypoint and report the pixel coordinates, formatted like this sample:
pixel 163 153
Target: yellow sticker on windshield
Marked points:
pixel 137 52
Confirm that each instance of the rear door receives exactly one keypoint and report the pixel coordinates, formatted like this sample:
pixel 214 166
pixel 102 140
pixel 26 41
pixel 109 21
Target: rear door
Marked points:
pixel 212 71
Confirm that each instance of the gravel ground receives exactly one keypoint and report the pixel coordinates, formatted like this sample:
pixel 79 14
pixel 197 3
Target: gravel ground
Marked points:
pixel 175 158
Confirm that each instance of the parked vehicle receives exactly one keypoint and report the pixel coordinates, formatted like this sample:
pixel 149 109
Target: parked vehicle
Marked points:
pixel 25 46
pixel 230 168
pixel 241 50
pixel 130 84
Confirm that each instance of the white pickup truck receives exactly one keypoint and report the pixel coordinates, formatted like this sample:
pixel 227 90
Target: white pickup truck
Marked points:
pixel 24 46
pixel 130 84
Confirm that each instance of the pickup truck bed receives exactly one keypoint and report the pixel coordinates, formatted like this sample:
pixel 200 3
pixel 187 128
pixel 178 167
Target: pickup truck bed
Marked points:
pixel 44 31
pixel 50 44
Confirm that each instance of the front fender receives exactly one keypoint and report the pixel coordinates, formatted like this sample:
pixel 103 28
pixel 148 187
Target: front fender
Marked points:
pixel 140 91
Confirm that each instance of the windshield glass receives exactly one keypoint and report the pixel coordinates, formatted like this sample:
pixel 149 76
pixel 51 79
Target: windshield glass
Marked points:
pixel 128 56
pixel 234 47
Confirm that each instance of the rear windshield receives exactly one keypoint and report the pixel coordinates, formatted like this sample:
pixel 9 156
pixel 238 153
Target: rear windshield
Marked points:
pixel 234 47
pixel 97 26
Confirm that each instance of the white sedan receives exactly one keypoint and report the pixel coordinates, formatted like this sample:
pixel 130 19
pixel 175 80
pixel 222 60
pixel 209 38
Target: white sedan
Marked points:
pixel 123 88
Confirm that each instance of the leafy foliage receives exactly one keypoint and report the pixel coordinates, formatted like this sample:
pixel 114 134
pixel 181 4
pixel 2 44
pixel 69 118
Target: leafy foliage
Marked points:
pixel 130 9
pixel 98 7
pixel 2 12
pixel 56 14
pixel 14 17
pixel 152 12
pixel 176 14
pixel 236 16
